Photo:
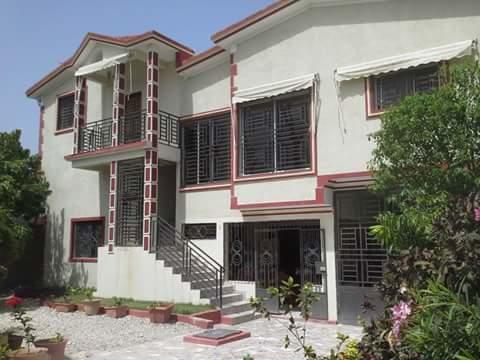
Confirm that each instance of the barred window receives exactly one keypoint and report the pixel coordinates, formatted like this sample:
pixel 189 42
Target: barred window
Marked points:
pixel 389 89
pixel 275 136
pixel 200 231
pixel 65 111
pixel 87 236
pixel 206 150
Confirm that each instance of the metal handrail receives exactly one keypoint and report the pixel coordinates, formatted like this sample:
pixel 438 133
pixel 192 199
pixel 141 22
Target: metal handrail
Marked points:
pixel 95 135
pixel 193 262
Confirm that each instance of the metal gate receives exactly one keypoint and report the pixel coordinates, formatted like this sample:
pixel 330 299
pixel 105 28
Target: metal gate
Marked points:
pixel 130 202
pixel 360 258
pixel 253 255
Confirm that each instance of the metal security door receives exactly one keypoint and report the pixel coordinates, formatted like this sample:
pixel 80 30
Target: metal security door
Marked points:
pixel 266 241
pixel 360 258
pixel 130 203
pixel 132 124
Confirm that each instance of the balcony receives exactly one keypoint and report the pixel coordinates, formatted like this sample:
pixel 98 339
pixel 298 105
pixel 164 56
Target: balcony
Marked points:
pixel 95 140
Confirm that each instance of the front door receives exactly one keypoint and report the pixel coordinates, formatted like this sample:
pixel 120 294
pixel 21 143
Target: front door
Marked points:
pixel 130 202
pixel 131 126
pixel 266 241
pixel 360 258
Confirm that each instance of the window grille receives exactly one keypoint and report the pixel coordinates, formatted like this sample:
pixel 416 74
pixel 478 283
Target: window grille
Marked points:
pixel 200 231
pixel 275 136
pixel 87 237
pixel 65 112
pixel 206 150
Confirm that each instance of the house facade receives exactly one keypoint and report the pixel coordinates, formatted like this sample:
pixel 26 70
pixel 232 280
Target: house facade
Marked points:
pixel 210 177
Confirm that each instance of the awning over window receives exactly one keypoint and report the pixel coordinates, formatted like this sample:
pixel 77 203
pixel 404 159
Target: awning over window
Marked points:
pixel 275 88
pixel 102 64
pixel 404 61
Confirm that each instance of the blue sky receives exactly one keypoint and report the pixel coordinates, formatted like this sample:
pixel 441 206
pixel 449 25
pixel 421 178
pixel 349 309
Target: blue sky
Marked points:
pixel 36 36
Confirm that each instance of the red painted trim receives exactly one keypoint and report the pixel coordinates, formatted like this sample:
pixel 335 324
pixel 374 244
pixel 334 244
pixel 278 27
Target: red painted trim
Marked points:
pixel 124 41
pixel 65 94
pixel 74 221
pixel 279 213
pixel 369 96
pixel 199 58
pixel 323 180
pixel 278 204
pixel 252 19
pixel 63 131
pixel 216 342
pixel 204 114
pixel 205 187
pixel 109 150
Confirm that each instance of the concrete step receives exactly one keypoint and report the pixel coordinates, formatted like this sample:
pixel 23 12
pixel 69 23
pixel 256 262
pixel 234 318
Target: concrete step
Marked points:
pixel 239 318
pixel 236 307
pixel 227 299
pixel 211 292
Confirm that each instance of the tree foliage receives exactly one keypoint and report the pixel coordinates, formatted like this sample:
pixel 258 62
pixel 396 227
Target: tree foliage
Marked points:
pixel 23 191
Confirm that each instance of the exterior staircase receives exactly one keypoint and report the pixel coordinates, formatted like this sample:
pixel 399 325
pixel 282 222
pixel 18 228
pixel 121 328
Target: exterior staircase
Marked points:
pixel 200 270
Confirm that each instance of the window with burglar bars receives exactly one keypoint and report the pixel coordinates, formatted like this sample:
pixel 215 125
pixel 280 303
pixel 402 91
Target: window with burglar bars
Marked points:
pixel 389 89
pixel 206 150
pixel 86 236
pixel 275 135
pixel 200 231
pixel 65 112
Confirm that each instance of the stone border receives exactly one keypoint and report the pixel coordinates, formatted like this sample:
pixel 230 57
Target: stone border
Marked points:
pixel 216 342
pixel 203 320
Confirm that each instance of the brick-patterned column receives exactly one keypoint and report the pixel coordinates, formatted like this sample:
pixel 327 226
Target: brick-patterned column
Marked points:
pixel 112 203
pixel 118 108
pixel 78 110
pixel 151 155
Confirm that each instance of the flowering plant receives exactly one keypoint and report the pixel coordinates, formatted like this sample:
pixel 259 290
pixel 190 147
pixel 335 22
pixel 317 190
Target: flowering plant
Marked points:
pixel 400 314
pixel 21 316
pixel 476 213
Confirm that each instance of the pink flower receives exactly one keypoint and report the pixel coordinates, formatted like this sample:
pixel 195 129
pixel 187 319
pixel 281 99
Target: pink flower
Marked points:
pixel 477 214
pixel 400 314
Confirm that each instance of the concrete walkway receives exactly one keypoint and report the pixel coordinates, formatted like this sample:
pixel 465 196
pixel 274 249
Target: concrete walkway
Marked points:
pixel 266 343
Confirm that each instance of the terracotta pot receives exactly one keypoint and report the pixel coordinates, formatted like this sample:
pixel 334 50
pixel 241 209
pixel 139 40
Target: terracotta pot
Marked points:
pixel 117 311
pixel 160 314
pixel 56 349
pixel 15 341
pixel 65 307
pixel 91 307
pixel 33 354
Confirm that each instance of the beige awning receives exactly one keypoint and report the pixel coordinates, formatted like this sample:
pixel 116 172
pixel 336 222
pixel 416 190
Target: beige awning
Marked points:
pixel 102 64
pixel 404 61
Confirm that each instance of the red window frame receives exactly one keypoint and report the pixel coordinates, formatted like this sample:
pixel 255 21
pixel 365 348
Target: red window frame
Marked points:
pixel 101 241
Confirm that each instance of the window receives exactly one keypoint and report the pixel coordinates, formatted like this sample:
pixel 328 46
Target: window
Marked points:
pixel 275 136
pixel 389 89
pixel 65 112
pixel 206 150
pixel 200 231
pixel 87 236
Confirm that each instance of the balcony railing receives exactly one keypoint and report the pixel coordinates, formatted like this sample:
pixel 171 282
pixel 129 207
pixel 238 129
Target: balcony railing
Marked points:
pixel 131 128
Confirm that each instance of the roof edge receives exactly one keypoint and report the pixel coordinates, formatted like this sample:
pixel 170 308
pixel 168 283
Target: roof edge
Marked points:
pixel 200 57
pixel 251 19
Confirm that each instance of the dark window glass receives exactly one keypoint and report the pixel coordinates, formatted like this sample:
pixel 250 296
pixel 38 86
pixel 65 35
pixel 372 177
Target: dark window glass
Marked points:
pixel 87 237
pixel 390 89
pixel 200 231
pixel 206 150
pixel 65 112
pixel 275 136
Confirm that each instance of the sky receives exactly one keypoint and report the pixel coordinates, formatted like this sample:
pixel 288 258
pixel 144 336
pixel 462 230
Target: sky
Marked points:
pixel 37 35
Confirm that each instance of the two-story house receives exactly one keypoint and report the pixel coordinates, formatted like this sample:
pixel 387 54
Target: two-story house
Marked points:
pixel 210 177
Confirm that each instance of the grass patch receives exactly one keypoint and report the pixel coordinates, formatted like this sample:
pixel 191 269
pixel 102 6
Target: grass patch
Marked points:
pixel 185 309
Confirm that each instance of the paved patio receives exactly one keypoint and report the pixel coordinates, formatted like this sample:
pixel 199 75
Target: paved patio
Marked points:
pixel 265 344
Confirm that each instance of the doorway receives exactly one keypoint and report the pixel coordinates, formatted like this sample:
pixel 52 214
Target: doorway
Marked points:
pixel 289 255
pixel 132 124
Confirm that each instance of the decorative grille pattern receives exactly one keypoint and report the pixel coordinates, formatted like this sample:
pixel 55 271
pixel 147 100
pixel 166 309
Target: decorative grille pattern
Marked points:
pixel 65 111
pixel 206 150
pixel 130 202
pixel 390 89
pixel 87 236
pixel 200 231
pixel 274 135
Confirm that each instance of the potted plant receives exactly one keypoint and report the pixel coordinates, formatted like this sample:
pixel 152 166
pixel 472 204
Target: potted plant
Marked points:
pixel 160 313
pixel 29 352
pixel 91 306
pixel 13 336
pixel 55 346
pixel 118 309
pixel 66 305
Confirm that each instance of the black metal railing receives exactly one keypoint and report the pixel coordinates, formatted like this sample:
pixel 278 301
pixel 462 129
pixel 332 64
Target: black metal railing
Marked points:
pixel 95 136
pixel 131 128
pixel 195 265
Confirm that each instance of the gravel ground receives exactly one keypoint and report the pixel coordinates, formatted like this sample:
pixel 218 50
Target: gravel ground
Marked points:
pixel 90 334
